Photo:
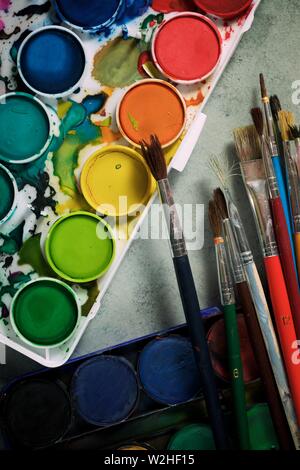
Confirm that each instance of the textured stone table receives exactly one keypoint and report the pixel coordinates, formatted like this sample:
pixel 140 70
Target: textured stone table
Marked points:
pixel 143 297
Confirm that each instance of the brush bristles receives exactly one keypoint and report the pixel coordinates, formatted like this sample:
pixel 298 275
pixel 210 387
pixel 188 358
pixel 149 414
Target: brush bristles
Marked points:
pixel 247 143
pixel 214 219
pixel 258 120
pixel 295 132
pixel 220 202
pixel 275 106
pixel 154 156
pixel 262 86
pixel 286 120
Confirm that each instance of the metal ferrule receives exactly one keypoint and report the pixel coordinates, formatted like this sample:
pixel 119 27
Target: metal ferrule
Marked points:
pixel 177 241
pixel 239 231
pixel 293 184
pixel 233 253
pixel 269 169
pixel 224 276
pixel 258 196
pixel 270 126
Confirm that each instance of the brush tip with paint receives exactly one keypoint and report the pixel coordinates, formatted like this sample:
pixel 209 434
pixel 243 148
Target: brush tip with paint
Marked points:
pixel 258 120
pixel 286 120
pixel 263 88
pixel 221 204
pixel 214 219
pixel 275 106
pixel 154 156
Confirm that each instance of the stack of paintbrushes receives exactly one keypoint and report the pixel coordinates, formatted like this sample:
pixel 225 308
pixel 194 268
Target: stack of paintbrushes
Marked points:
pixel 272 180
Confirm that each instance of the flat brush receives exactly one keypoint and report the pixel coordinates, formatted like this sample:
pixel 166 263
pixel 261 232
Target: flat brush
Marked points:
pixel 249 153
pixel 295 134
pixel 154 157
pixel 231 327
pixel 286 123
pixel 255 335
pixel 276 281
pixel 276 160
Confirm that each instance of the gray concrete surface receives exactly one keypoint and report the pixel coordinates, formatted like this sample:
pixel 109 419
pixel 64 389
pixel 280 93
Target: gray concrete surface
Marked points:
pixel 143 296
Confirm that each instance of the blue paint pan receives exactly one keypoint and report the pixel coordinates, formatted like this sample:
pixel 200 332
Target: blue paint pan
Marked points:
pixel 93 15
pixel 51 61
pixel 104 390
pixel 167 370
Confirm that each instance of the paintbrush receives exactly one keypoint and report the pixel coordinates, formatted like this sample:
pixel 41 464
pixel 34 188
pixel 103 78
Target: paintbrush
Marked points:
pixel 255 335
pixel 231 327
pixel 295 134
pixel 154 157
pixel 281 231
pixel 253 279
pixel 249 153
pixel 286 122
pixel 276 281
pixel 276 160
pixel 275 108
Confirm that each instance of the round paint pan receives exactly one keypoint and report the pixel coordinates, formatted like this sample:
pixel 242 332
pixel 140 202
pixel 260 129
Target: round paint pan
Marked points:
pixel 261 429
pixel 80 247
pixel 9 194
pixel 151 106
pixel 193 437
pixel 217 343
pixel 104 390
pixel 187 48
pixel 116 181
pixel 51 61
pixel 25 128
pixel 45 313
pixel 88 16
pixel 167 370
pixel 226 9
pixel 37 413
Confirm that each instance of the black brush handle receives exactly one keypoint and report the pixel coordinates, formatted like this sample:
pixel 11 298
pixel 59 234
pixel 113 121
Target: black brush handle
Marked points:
pixel 191 308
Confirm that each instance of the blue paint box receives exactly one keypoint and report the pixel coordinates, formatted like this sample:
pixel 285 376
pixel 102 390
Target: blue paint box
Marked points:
pixel 141 404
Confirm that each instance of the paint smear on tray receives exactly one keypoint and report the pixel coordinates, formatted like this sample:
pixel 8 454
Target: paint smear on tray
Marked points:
pixel 5 4
pixel 116 65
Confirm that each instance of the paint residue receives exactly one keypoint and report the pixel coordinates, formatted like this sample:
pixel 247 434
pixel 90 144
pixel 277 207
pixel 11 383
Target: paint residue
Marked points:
pixel 195 101
pixel 30 253
pixel 116 64
pixel 34 10
pixel 5 4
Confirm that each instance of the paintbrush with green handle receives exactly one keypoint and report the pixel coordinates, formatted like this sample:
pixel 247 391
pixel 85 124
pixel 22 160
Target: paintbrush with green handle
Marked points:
pixel 231 327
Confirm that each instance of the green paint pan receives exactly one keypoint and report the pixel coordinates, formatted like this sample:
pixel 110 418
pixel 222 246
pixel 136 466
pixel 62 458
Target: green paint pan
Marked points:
pixel 45 312
pixel 80 247
pixel 261 429
pixel 193 437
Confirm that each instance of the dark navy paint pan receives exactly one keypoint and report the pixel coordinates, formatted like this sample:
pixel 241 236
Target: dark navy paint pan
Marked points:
pixel 93 15
pixel 104 390
pixel 36 413
pixel 167 370
pixel 51 61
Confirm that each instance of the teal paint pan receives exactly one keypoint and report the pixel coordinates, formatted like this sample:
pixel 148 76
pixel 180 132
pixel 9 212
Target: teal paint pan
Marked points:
pixel 193 437
pixel 8 194
pixel 25 128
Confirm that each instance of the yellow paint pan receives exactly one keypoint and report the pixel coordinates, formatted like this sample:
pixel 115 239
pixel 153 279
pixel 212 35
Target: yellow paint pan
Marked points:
pixel 116 181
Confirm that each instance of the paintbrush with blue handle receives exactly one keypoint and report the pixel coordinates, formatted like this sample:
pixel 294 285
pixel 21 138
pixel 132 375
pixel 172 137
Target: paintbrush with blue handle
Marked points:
pixel 155 159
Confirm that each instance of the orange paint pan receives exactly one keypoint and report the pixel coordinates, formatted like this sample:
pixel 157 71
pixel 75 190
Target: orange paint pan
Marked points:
pixel 148 107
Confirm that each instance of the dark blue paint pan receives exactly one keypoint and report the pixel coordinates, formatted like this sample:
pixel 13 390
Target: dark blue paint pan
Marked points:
pixel 36 413
pixel 93 15
pixel 51 61
pixel 167 370
pixel 104 390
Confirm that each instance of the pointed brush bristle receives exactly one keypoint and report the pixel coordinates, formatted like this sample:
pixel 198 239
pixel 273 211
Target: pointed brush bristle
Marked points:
pixel 286 120
pixel 275 106
pixel 263 89
pixel 154 156
pixel 247 143
pixel 221 203
pixel 258 120
pixel 214 219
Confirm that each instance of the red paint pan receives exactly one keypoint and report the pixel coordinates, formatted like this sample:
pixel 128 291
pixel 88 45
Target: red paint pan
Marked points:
pixel 223 8
pixel 187 47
